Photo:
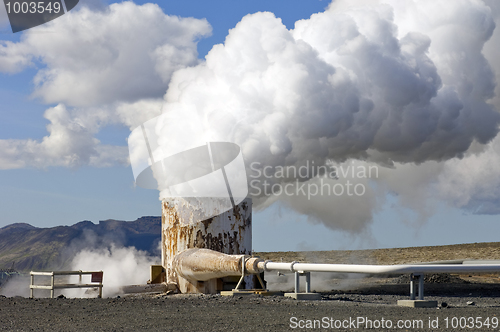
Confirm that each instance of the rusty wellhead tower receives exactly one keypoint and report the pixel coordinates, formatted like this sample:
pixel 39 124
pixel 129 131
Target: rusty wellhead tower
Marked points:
pixel 209 211
pixel 229 232
pixel 203 188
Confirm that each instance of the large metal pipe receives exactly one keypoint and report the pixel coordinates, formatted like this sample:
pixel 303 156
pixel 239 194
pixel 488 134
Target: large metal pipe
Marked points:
pixel 378 269
pixel 204 264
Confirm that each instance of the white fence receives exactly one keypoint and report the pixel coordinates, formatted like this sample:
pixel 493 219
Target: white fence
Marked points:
pixel 96 281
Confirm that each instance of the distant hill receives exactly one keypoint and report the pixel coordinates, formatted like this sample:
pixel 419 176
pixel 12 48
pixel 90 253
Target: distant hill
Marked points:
pixel 33 248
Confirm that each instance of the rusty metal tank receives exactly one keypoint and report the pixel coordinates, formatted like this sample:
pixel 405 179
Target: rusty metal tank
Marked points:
pixel 184 227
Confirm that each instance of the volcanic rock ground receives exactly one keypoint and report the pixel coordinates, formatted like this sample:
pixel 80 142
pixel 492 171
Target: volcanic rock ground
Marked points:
pixel 467 296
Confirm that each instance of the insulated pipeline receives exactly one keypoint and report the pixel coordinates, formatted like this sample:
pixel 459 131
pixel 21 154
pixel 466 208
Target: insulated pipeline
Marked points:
pixel 378 269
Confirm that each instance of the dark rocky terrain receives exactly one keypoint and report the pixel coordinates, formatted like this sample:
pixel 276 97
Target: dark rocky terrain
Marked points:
pixel 252 312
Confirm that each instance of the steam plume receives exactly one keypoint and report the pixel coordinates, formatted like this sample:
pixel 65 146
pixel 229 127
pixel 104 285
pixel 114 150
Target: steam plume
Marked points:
pixel 387 82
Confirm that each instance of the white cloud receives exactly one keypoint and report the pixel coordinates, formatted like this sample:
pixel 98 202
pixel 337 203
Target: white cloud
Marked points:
pixel 136 113
pixel 109 65
pixel 125 52
pixel 70 143
pixel 13 57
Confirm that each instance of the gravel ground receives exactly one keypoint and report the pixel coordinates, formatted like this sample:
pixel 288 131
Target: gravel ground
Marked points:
pixel 254 313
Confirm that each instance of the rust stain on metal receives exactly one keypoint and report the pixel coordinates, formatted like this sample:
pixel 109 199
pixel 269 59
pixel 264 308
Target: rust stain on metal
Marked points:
pixel 207 223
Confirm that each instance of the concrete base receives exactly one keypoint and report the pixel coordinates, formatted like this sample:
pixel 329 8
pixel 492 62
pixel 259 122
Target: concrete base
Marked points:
pixel 304 296
pixel 148 288
pixel 418 303
pixel 262 292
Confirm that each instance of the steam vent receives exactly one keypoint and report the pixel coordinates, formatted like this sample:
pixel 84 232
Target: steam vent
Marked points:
pixel 184 227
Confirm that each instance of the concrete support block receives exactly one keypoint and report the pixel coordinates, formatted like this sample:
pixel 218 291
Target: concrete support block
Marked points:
pixel 417 303
pixel 261 292
pixel 304 296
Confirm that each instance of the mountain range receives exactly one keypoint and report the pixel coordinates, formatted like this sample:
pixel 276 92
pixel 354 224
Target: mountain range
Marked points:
pixel 25 247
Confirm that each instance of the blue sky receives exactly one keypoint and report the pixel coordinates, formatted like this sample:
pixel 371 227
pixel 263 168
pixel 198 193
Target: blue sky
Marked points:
pixel 425 195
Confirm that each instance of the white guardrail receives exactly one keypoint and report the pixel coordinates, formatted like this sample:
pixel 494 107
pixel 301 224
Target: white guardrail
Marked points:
pixel 96 281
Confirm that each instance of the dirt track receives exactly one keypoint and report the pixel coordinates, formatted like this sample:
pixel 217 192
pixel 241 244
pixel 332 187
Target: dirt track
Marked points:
pixel 342 299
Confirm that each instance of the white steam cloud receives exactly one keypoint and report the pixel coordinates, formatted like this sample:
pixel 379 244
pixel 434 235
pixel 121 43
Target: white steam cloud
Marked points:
pixel 344 84
pixel 397 83
pixel 16 286
pixel 473 183
pixel 121 266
